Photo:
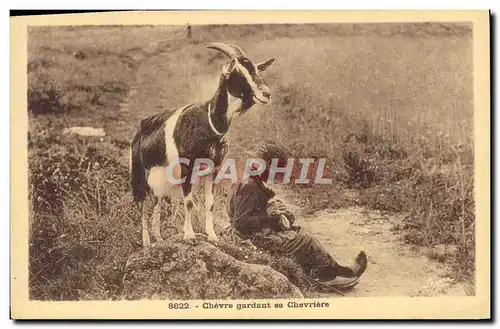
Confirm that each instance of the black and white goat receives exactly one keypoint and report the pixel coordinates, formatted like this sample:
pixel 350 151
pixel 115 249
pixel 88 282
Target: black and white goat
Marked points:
pixel 194 131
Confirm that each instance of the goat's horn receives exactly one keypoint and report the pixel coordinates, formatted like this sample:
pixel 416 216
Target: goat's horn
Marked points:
pixel 238 51
pixel 223 48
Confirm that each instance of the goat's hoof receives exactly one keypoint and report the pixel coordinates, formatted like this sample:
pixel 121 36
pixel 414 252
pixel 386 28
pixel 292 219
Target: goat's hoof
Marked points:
pixel 190 239
pixel 191 242
pixel 213 239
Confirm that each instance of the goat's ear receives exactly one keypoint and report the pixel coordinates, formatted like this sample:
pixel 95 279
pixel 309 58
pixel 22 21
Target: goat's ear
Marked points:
pixel 265 65
pixel 229 67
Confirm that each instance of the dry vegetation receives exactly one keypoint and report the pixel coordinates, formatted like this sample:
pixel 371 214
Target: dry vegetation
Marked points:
pixel 390 106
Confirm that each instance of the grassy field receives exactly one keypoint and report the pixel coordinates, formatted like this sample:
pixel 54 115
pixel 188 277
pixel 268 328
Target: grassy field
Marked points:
pixel 390 106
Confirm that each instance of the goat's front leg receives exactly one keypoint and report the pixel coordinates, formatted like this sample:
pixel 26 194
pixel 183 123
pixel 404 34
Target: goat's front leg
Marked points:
pixel 209 208
pixel 187 190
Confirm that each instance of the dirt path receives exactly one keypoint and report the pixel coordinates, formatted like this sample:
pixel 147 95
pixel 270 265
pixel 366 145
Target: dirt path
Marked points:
pixel 394 268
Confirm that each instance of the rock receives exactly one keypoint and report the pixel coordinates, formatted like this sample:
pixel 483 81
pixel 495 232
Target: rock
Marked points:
pixel 435 286
pixel 85 131
pixel 442 250
pixel 363 230
pixel 79 55
pixel 176 270
pixel 451 249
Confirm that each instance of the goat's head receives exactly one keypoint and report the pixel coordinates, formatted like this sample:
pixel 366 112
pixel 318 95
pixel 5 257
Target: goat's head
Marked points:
pixel 242 76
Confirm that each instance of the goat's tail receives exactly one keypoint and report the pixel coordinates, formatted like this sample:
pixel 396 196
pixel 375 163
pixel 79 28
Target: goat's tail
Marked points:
pixel 137 170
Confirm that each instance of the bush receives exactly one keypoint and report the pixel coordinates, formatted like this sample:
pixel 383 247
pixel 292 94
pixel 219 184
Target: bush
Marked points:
pixel 80 221
pixel 65 166
pixel 59 82
pixel 45 95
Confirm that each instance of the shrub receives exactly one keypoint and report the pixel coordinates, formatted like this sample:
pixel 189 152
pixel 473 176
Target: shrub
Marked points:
pixel 45 95
pixel 81 221
pixel 64 166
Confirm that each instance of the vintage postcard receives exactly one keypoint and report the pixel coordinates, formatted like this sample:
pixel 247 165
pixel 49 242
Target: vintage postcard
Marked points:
pixel 251 165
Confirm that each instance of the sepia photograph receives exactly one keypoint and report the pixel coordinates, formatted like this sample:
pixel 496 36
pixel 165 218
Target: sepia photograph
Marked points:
pixel 264 168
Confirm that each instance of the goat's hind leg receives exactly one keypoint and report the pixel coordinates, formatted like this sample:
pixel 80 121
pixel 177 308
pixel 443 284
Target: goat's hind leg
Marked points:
pixel 146 207
pixel 158 201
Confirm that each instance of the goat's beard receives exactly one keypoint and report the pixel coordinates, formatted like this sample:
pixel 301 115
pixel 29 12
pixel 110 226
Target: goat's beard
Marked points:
pixel 246 104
